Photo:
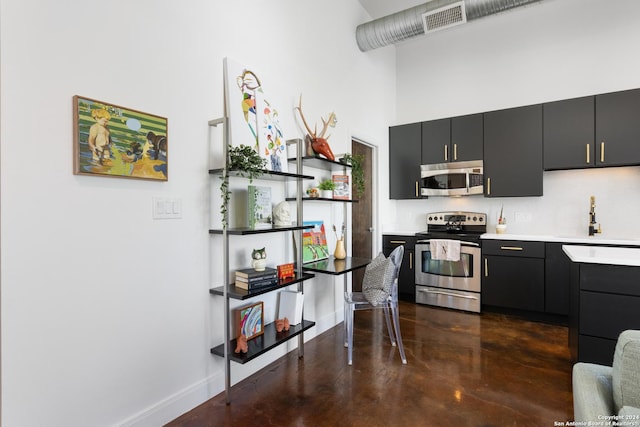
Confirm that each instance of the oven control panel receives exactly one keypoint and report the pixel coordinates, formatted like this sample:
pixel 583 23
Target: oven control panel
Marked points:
pixel 459 218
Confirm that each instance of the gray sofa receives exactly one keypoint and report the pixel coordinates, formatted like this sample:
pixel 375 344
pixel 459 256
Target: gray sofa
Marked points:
pixel 603 394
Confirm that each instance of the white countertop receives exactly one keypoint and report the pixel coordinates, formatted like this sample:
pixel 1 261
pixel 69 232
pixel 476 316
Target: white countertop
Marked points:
pixel 603 255
pixel 591 240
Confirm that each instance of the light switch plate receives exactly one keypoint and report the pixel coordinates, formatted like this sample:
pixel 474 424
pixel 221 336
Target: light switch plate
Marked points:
pixel 166 208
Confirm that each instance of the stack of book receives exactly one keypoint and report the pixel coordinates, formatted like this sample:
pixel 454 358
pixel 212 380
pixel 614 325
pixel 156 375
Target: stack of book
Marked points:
pixel 250 279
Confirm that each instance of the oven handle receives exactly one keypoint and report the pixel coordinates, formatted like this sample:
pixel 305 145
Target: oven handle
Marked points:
pixel 450 294
pixel 463 243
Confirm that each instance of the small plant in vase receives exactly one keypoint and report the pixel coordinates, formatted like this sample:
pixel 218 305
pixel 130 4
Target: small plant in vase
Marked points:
pixel 248 163
pixel 501 227
pixel 326 188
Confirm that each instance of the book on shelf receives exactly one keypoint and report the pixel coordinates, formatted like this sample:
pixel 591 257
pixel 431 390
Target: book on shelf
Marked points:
pixel 342 187
pixel 259 207
pixel 252 273
pixel 291 304
pixel 256 284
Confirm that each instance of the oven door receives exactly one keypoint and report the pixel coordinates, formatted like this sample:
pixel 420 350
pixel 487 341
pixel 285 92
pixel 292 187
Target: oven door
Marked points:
pixel 463 275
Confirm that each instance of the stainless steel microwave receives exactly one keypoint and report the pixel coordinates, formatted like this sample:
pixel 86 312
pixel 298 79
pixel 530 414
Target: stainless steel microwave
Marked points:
pixel 452 179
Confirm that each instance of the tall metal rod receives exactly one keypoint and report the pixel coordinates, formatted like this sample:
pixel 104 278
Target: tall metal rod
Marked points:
pixel 225 261
pixel 299 219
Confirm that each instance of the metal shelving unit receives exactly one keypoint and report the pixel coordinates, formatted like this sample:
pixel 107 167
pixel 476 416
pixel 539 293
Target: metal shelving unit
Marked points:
pixel 270 338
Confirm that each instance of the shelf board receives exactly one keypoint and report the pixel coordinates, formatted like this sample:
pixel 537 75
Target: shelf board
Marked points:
pixel 245 230
pixel 336 266
pixel 265 342
pixel 242 294
pixel 266 174
pixel 321 163
pixel 317 199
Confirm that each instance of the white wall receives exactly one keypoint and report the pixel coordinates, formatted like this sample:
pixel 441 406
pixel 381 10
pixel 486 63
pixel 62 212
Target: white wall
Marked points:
pixel 106 316
pixel 554 49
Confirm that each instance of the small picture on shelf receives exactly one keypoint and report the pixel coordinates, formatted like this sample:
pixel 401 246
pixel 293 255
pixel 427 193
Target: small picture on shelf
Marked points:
pixel 341 190
pixel 249 320
pixel 286 271
pixel 260 210
pixel 314 242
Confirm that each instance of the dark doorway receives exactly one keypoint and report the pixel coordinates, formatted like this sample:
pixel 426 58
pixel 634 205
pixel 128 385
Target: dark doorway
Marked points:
pixel 361 213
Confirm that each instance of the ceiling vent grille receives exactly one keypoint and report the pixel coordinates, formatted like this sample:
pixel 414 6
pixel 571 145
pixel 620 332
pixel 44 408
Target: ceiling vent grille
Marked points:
pixel 444 17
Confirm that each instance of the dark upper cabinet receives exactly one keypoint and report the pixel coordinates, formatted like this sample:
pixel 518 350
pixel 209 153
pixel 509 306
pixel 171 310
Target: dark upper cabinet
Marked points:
pixel 405 153
pixel 454 139
pixel 513 152
pixel 618 128
pixel 436 138
pixel 568 134
pixel 467 137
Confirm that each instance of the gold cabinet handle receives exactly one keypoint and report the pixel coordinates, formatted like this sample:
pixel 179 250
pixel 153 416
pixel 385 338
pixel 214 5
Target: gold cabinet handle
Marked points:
pixel 602 152
pixel 446 153
pixel 398 242
pixel 416 188
pixel 588 157
pixel 411 260
pixel 455 151
pixel 511 248
pixel 486 268
pixel 488 186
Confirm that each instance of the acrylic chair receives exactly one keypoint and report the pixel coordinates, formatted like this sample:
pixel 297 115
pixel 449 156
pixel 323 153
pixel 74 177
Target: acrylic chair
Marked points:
pixel 354 301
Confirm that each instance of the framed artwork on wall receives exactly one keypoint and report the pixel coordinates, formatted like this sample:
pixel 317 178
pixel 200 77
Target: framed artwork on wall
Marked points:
pixel 314 242
pixel 110 140
pixel 249 320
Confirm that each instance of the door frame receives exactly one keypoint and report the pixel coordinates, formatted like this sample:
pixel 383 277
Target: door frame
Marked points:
pixel 375 237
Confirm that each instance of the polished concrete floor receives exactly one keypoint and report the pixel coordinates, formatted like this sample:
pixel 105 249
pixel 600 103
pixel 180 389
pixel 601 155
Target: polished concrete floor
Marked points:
pixel 463 369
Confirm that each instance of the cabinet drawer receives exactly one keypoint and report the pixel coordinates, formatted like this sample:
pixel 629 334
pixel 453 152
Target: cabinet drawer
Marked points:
pixel 614 279
pixel 606 315
pixel 392 241
pixel 513 248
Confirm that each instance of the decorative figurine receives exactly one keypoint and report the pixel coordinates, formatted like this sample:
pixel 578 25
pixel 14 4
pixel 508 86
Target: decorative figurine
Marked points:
pixel 282 214
pixel 259 259
pixel 242 345
pixel 319 142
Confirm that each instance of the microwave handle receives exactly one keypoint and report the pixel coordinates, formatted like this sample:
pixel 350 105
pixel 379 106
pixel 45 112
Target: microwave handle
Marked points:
pixel 462 243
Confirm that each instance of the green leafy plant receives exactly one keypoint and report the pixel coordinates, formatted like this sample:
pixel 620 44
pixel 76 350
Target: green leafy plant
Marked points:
pixel 357 172
pixel 246 162
pixel 327 184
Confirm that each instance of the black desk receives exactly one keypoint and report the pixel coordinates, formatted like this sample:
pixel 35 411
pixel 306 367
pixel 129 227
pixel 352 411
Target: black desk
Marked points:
pixel 336 266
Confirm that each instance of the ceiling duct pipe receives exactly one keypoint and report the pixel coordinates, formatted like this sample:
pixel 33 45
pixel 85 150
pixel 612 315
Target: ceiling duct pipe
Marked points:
pixel 429 17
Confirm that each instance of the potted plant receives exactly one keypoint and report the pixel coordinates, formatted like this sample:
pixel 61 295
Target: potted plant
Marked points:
pixel 326 189
pixel 244 161
pixel 357 173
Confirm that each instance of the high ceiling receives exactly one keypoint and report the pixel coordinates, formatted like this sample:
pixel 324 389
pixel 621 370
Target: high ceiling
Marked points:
pixel 380 8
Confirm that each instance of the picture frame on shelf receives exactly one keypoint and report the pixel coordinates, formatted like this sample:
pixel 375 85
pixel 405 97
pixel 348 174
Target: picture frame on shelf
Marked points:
pixel 249 320
pixel 314 242
pixel 114 141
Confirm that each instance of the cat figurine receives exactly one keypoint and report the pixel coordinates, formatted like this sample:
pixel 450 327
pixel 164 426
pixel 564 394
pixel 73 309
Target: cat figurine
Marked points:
pixel 259 259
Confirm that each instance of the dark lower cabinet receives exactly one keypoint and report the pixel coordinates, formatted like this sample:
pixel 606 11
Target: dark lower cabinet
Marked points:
pixel 513 274
pixel 557 278
pixel 406 278
pixel 513 152
pixel 605 300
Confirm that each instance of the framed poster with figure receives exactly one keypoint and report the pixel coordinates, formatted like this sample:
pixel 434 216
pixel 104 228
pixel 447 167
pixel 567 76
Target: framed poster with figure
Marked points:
pixel 110 140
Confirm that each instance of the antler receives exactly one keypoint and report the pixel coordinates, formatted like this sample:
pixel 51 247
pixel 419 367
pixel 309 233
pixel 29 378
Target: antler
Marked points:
pixel 299 108
pixel 326 124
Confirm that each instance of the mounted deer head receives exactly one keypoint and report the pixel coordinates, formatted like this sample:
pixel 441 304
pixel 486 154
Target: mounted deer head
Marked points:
pixel 319 142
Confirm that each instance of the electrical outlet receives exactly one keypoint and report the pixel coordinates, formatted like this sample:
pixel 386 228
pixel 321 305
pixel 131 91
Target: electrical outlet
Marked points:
pixel 522 217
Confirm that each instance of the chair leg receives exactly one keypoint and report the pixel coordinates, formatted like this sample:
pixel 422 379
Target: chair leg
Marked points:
pixel 350 335
pixel 389 328
pixel 396 323
pixel 346 324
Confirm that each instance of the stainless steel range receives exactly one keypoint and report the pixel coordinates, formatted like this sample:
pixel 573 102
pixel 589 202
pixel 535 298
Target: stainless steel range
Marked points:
pixel 452 282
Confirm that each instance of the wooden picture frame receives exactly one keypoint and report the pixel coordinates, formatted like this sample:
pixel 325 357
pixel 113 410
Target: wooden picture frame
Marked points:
pixel 110 140
pixel 249 320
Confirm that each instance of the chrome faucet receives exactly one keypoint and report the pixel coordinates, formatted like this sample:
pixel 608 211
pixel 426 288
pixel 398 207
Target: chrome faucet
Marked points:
pixel 592 219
